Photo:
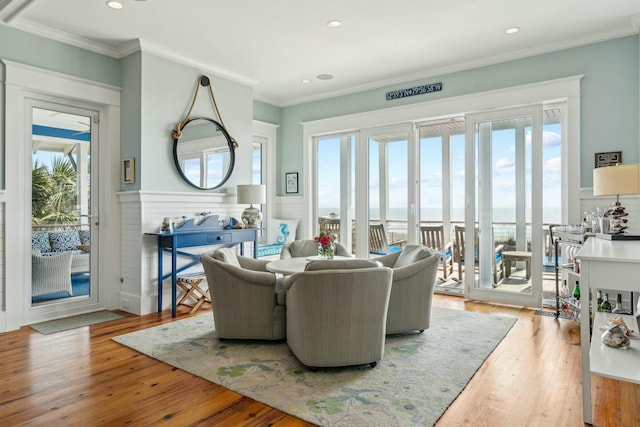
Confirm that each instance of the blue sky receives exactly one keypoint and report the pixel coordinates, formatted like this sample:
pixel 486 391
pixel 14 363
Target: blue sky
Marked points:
pixel 503 163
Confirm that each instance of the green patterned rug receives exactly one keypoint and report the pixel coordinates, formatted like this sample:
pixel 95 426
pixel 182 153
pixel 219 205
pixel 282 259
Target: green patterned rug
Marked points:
pixel 419 377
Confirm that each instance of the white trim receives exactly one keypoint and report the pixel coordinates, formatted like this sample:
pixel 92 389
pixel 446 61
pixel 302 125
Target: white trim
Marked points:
pixel 269 131
pixel 23 82
pixel 546 91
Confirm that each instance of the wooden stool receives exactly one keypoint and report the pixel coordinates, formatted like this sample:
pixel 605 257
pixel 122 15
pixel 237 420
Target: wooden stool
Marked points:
pixel 191 283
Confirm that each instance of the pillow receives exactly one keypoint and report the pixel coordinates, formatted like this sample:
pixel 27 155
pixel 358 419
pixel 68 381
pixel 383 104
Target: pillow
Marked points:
pixel 411 254
pixel 40 241
pixel 227 255
pixel 281 231
pixel 65 240
pixel 85 236
pixel 340 264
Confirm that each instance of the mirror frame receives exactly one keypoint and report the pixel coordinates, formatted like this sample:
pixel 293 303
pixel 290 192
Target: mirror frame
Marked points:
pixel 232 153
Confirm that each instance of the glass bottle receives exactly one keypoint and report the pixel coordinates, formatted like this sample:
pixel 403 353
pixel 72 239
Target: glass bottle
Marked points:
pixel 564 290
pixel 599 300
pixel 576 290
pixel 606 305
pixel 618 308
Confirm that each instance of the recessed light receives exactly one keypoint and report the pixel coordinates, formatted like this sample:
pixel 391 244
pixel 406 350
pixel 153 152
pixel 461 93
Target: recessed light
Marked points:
pixel 324 76
pixel 305 81
pixel 115 5
pixel 334 23
pixel 512 30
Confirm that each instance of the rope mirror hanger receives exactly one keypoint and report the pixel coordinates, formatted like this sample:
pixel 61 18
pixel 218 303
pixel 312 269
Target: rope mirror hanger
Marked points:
pixel 204 81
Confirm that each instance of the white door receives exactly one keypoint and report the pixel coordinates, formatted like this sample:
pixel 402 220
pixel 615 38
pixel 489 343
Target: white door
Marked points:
pixel 503 206
pixel 64 207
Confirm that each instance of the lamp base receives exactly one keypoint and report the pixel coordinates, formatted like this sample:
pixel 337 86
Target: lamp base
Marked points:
pixel 252 217
pixel 617 217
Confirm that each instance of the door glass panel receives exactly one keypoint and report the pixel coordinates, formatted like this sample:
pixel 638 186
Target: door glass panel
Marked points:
pixel 335 188
pixel 431 180
pixel 504 189
pixel 61 208
pixel 388 190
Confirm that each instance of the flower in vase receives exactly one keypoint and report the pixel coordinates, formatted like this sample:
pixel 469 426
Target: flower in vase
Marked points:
pixel 326 247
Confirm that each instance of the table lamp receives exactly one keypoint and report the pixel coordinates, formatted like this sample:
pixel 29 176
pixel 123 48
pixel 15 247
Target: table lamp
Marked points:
pixel 250 194
pixel 616 181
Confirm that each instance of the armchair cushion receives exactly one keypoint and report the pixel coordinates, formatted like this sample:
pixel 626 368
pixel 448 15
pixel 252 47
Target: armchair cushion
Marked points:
pixel 340 264
pixel 51 274
pixel 282 231
pixel 40 241
pixel 305 248
pixel 411 254
pixel 227 255
pixel 64 240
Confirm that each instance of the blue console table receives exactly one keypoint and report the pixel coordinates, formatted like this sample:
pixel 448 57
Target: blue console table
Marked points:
pixel 171 242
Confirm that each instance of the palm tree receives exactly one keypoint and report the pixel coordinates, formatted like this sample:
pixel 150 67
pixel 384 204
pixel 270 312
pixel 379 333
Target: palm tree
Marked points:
pixel 54 193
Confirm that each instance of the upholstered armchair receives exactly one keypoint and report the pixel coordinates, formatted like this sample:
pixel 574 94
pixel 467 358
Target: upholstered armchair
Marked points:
pixel 246 303
pixel 305 248
pixel 51 273
pixel 414 277
pixel 336 312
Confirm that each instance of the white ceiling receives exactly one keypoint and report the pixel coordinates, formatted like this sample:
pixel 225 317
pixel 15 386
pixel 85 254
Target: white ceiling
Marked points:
pixel 273 45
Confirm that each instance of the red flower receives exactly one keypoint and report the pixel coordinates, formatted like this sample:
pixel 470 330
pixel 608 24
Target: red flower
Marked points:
pixel 325 240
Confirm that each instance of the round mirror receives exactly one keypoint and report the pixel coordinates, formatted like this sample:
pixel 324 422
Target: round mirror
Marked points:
pixel 204 154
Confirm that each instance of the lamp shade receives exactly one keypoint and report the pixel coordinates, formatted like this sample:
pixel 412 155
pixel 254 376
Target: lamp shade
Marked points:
pixel 249 194
pixel 616 180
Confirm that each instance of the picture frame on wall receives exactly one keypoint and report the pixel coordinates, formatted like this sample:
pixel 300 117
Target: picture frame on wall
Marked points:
pixel 128 171
pixel 291 179
pixel 610 158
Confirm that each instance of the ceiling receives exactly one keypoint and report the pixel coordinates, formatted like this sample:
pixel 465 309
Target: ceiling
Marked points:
pixel 273 45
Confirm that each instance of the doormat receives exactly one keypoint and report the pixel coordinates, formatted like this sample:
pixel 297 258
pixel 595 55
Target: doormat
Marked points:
pixel 74 322
pixel 548 313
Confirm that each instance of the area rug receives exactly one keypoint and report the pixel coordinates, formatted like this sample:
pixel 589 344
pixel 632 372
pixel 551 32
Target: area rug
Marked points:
pixel 419 377
pixel 74 322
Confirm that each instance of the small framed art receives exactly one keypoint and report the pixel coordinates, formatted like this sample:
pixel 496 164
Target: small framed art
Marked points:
pixel 129 171
pixel 292 182
pixel 610 158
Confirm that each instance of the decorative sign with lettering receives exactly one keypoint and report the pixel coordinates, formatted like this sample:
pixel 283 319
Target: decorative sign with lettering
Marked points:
pixel 418 90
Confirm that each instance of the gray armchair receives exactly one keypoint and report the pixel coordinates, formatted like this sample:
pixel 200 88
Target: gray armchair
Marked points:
pixel 336 312
pixel 414 277
pixel 305 248
pixel 246 302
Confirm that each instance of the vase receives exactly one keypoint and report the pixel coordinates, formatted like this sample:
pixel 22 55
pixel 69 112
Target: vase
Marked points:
pixel 326 252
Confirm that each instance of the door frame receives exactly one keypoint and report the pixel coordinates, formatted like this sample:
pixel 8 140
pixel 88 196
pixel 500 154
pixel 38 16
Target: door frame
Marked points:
pixel 471 290
pixel 61 105
pixel 25 82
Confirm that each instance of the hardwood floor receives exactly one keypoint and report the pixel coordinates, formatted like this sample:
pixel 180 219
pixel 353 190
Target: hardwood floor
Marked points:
pixel 82 377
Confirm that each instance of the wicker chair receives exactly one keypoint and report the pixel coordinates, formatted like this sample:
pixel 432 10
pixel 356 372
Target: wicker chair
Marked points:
pixel 51 273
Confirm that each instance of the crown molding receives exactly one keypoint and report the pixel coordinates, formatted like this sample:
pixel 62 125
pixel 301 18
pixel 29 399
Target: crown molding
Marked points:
pixel 64 37
pixel 10 9
pixel 464 66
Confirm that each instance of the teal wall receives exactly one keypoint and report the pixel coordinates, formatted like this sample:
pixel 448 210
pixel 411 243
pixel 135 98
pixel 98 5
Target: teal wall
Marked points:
pixel 131 115
pixel 266 113
pixel 25 48
pixel 609 99
pixel 167 92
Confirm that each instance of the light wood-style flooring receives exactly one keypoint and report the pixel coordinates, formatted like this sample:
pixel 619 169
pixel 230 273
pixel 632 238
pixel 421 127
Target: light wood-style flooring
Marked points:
pixel 81 377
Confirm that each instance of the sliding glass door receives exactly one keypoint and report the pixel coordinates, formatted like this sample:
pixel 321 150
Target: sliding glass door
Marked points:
pixel 503 218
pixel 390 198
